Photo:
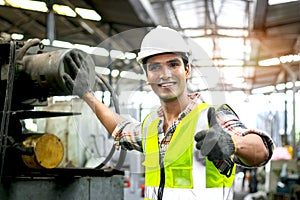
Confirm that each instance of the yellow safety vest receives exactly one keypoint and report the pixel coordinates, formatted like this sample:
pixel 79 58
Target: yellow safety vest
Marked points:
pixel 185 176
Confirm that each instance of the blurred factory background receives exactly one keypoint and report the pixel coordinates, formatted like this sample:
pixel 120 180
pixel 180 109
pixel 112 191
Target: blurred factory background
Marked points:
pixel 244 52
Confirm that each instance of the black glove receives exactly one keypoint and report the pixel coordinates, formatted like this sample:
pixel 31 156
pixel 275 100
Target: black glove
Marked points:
pixel 215 143
pixel 78 79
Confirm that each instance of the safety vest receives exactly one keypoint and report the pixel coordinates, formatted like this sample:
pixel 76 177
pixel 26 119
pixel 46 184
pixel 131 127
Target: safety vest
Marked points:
pixel 188 175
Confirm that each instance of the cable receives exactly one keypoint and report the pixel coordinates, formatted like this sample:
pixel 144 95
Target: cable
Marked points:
pixel 99 80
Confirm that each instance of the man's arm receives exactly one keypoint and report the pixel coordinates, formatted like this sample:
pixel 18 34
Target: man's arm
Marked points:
pixel 227 136
pixel 250 149
pixel 77 81
pixel 108 118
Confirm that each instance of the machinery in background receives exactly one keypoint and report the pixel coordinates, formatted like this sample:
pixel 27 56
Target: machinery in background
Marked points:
pixel 27 80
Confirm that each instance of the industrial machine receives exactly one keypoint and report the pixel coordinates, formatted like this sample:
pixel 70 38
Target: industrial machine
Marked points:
pixel 31 160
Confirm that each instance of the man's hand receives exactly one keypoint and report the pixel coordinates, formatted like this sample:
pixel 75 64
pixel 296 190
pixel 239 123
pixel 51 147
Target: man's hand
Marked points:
pixel 78 79
pixel 215 143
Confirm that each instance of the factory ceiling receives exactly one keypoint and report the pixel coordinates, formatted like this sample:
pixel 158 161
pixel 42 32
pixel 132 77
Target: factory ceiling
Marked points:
pixel 268 31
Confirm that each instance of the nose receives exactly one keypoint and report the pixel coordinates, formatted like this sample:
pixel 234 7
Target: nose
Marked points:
pixel 165 72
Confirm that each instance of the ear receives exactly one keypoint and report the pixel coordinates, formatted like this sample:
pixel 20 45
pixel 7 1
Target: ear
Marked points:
pixel 187 69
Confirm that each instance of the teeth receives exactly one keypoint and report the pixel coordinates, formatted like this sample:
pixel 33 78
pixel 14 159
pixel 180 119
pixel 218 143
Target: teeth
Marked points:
pixel 166 84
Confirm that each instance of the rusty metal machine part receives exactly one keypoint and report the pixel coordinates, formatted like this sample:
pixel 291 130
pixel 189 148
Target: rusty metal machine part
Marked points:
pixel 27 79
pixel 46 70
pixel 38 76
pixel 48 151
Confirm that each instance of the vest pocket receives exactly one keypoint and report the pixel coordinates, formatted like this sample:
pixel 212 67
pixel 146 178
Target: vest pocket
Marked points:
pixel 181 177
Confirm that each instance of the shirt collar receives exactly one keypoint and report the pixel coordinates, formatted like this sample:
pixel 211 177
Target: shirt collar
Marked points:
pixel 195 98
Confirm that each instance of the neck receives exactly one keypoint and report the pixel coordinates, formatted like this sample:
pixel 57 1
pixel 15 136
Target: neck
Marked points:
pixel 173 108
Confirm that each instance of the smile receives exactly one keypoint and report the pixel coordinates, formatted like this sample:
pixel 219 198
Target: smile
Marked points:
pixel 167 84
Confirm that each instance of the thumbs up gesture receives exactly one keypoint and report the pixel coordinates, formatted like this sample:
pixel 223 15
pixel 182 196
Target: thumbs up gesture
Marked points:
pixel 215 143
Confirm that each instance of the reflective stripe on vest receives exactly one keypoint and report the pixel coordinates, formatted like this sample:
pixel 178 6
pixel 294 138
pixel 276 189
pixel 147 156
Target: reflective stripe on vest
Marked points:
pixel 182 163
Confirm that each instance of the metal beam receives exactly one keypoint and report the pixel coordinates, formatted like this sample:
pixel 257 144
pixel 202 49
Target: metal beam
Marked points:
pixel 145 11
pixel 260 15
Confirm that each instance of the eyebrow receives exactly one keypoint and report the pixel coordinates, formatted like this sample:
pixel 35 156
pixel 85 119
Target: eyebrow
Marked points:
pixel 169 61
pixel 173 60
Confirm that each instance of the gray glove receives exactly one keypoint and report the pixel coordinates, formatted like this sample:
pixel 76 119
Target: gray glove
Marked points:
pixel 77 80
pixel 215 143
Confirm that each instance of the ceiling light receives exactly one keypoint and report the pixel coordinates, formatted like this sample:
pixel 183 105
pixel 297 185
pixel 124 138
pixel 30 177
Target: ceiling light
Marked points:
pixel 83 47
pixel 45 42
pixel 106 98
pixel 17 36
pixel 88 14
pixel 64 10
pixel 280 86
pixel 99 51
pixel 269 62
pixel 102 70
pixel 59 9
pixel 115 73
pixel 282 59
pixel 289 85
pixel 274 2
pixel 129 55
pixel 28 5
pixel 262 90
pixel 63 44
pixel 116 54
pixel 289 58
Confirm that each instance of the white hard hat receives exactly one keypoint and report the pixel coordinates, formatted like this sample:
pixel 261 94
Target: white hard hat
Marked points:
pixel 161 40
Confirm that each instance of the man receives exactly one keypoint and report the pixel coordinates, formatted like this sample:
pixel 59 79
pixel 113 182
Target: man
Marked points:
pixel 190 147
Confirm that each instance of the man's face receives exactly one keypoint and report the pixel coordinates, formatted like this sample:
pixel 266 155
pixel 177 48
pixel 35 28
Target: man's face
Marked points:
pixel 167 76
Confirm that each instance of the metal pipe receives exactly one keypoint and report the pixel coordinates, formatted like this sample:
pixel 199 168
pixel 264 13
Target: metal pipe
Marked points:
pixel 294 79
pixel 51 22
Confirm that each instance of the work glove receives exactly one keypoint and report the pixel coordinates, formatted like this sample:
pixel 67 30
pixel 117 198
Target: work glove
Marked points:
pixel 215 143
pixel 78 78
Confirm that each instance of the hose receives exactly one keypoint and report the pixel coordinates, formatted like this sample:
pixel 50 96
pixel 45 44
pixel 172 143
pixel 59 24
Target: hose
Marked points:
pixel 99 80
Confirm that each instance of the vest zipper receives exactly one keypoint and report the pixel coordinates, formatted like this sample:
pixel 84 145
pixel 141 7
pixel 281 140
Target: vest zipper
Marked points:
pixel 162 179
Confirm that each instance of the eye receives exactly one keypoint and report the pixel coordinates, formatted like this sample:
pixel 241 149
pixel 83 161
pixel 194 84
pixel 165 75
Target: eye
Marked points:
pixel 153 66
pixel 174 64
